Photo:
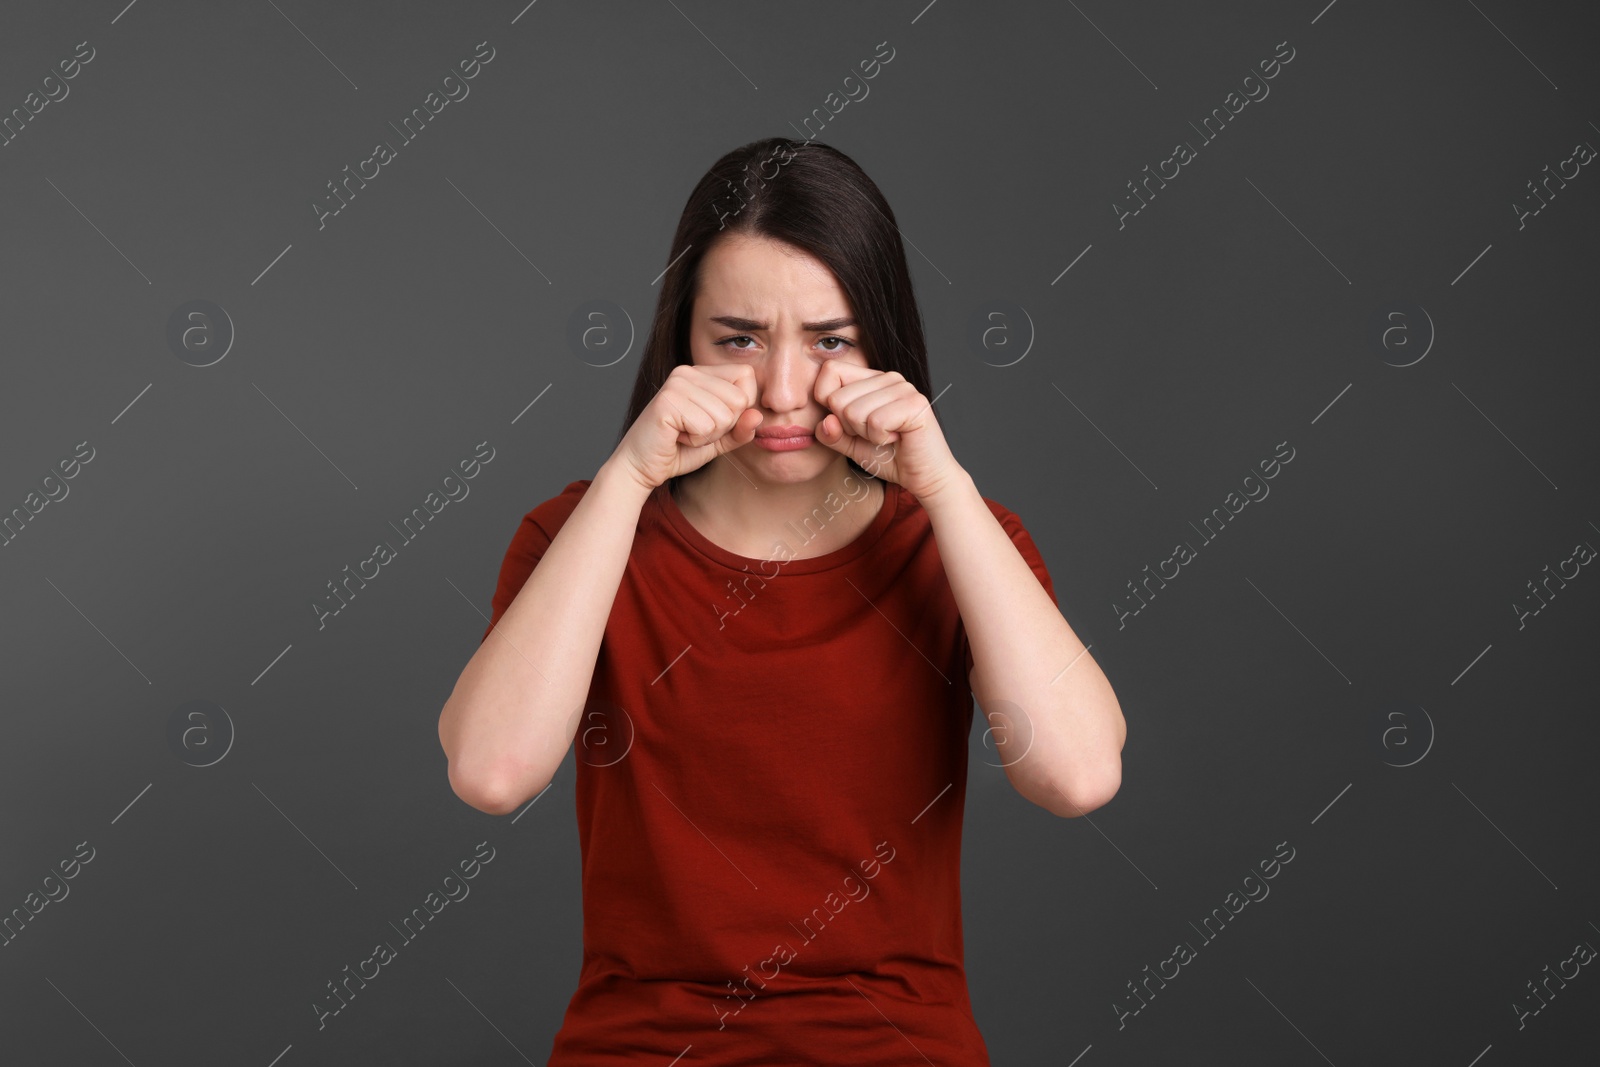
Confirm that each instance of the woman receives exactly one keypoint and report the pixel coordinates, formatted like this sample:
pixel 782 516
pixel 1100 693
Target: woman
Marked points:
pixel 770 610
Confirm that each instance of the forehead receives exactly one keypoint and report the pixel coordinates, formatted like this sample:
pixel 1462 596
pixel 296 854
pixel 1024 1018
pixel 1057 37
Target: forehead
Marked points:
pixel 759 278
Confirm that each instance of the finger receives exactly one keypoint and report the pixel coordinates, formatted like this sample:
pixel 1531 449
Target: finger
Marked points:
pixel 880 415
pixel 831 433
pixel 693 423
pixel 740 434
pixel 735 382
pixel 836 373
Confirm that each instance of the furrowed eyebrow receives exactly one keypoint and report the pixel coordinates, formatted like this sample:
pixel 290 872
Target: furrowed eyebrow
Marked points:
pixel 734 322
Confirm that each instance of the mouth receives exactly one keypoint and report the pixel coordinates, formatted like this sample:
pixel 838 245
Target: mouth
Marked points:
pixel 786 439
pixel 789 438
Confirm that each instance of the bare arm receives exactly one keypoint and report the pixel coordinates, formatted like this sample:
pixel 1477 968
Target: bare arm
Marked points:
pixel 517 704
pixel 1024 652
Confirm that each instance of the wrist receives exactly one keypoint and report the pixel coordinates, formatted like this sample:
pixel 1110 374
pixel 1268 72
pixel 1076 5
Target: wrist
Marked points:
pixel 955 490
pixel 620 476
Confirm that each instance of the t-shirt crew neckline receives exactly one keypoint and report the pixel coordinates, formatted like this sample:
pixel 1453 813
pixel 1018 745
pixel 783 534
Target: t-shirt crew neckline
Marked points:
pixel 669 509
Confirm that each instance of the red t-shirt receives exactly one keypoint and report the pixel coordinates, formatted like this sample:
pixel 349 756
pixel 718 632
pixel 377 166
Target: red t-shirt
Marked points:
pixel 771 771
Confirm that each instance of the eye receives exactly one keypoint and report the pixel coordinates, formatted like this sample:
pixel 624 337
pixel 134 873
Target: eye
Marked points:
pixel 727 342
pixel 844 343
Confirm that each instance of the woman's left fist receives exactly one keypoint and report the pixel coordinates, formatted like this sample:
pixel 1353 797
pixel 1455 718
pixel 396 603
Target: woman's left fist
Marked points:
pixel 878 419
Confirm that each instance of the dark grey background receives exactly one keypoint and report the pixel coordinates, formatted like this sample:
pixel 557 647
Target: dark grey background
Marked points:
pixel 1233 313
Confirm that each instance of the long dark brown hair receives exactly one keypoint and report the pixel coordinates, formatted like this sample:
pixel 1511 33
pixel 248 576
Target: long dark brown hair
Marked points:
pixel 814 197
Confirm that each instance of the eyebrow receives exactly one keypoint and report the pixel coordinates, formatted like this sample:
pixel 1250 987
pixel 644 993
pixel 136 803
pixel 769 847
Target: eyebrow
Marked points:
pixel 736 323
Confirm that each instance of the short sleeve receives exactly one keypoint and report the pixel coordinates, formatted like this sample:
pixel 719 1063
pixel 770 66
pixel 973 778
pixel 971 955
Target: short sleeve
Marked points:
pixel 532 539
pixel 1030 554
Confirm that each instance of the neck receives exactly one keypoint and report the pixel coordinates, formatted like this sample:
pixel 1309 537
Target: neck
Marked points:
pixel 755 517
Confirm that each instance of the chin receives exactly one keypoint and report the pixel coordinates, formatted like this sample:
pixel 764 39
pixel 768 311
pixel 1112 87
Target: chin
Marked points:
pixel 798 466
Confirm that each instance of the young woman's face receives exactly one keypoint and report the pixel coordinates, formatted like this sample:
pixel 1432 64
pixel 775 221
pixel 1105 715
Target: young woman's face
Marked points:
pixel 781 311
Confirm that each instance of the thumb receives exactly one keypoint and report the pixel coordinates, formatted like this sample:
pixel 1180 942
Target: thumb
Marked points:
pixel 741 433
pixel 830 431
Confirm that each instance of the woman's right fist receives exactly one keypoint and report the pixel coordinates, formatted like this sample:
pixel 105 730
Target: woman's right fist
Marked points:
pixel 698 414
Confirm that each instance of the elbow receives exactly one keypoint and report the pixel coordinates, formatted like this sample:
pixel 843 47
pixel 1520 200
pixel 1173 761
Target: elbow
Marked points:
pixel 483 793
pixel 1073 799
pixel 469 780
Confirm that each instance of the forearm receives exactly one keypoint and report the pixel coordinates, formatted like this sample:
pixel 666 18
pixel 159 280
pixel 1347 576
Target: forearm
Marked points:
pixel 1025 653
pixel 517 704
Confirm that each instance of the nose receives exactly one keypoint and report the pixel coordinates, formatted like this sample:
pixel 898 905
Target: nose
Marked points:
pixel 786 379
